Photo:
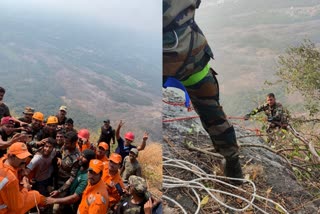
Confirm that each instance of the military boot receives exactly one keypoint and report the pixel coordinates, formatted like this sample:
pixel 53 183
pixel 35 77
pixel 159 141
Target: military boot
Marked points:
pixel 232 169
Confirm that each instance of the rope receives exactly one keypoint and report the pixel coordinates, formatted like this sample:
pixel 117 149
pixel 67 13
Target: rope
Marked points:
pixel 174 103
pixel 256 130
pixel 196 185
pixel 179 118
pixel 35 200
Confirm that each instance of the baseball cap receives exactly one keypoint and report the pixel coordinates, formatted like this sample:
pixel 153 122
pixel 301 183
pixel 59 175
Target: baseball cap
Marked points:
pixel 135 151
pixel 139 184
pixel 104 145
pixel 28 110
pixel 7 120
pixel 96 166
pixel 63 108
pixel 19 149
pixel 116 158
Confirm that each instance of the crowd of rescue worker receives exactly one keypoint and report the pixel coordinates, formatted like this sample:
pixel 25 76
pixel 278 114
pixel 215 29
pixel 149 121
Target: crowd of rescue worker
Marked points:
pixel 47 166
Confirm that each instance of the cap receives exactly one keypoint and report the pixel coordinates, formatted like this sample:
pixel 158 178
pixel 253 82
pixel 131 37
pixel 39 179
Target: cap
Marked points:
pixel 19 149
pixel 104 145
pixel 69 120
pixel 7 120
pixel 63 108
pixel 52 120
pixel 28 110
pixel 38 116
pixel 89 154
pixel 96 166
pixel 135 151
pixel 116 158
pixel 139 184
pixel 106 121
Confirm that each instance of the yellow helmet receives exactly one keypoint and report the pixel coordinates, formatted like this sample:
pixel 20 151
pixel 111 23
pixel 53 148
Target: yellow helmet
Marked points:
pixel 38 116
pixel 52 120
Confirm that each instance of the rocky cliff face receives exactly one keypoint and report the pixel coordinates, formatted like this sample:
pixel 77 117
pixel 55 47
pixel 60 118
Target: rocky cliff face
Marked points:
pixel 271 173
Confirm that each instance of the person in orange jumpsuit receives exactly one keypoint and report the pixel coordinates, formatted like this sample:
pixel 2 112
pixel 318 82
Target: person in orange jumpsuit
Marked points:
pixel 113 179
pixel 101 152
pixel 13 199
pixel 95 197
pixel 83 140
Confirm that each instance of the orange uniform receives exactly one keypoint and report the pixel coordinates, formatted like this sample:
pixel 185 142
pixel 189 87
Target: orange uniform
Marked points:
pixel 105 160
pixel 14 200
pixel 111 181
pixel 94 199
pixel 85 146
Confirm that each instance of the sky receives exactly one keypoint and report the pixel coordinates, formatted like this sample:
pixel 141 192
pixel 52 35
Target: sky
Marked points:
pixel 145 15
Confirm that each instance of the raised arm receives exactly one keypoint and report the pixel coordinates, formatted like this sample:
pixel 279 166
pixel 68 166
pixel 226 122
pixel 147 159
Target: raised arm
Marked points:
pixel 144 141
pixel 118 129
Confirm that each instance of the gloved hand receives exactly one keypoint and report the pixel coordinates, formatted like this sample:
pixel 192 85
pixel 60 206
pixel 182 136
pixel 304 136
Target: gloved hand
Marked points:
pixel 270 119
pixel 246 117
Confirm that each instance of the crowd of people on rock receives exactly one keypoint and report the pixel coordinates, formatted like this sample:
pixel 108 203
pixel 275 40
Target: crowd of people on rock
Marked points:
pixel 47 166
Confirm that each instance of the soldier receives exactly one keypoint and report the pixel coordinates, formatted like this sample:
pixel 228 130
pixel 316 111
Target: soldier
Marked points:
pixel 68 164
pixel 27 115
pixel 130 165
pixel 62 115
pixel 139 200
pixel 186 56
pixel 77 187
pixel 69 125
pixel 274 111
pixel 107 133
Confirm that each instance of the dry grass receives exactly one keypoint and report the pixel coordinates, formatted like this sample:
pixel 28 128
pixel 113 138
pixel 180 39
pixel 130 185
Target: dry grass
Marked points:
pixel 151 163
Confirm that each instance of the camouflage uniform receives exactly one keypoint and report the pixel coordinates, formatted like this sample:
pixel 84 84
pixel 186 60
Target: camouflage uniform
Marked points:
pixel 140 188
pixel 69 165
pixel 130 168
pixel 186 54
pixel 275 113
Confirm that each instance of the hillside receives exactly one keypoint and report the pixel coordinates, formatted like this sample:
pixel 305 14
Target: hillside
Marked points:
pixel 277 180
pixel 247 37
pixel 52 59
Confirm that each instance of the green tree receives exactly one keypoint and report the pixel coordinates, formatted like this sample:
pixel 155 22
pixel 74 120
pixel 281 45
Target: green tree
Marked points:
pixel 299 70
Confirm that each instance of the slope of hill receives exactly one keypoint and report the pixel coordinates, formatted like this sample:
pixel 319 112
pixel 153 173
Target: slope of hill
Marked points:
pixel 96 70
pixel 248 36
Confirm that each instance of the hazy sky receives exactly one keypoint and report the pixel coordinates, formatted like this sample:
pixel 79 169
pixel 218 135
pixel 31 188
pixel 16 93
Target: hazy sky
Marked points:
pixel 145 15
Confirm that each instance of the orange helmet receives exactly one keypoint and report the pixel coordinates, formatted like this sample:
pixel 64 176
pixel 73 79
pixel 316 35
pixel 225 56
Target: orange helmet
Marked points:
pixel 129 136
pixel 84 133
pixel 52 120
pixel 38 116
